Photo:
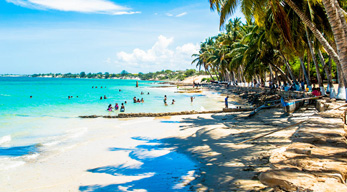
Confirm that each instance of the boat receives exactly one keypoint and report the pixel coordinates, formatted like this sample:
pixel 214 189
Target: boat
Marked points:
pixel 292 106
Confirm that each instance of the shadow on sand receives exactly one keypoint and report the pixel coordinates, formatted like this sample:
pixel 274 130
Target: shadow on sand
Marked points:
pixel 158 169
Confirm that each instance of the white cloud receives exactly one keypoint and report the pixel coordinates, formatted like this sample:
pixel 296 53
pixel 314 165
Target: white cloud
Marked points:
pixel 85 6
pixel 178 15
pixel 181 14
pixel 159 56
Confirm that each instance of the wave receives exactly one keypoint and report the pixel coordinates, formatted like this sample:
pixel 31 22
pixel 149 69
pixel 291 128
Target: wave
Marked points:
pixel 59 141
pixel 5 139
pixel 7 163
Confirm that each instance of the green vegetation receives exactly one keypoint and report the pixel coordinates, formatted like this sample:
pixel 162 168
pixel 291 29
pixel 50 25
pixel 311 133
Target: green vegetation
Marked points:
pixel 159 75
pixel 286 41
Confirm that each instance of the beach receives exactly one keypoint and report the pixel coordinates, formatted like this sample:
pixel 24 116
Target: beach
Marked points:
pixel 197 152
pixel 114 157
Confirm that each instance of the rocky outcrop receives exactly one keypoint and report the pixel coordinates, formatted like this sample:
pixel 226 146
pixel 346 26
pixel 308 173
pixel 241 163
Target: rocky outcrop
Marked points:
pixel 130 115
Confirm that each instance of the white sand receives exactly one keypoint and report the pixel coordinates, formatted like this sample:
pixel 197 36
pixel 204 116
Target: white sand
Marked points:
pixel 209 139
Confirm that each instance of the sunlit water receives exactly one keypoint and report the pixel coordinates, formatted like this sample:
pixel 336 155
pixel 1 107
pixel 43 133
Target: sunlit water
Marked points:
pixel 49 120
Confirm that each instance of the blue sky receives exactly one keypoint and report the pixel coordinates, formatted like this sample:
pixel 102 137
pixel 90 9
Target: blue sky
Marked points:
pixel 61 36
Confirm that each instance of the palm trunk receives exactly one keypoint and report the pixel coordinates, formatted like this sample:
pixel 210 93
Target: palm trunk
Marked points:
pixel 342 17
pixel 308 69
pixel 278 82
pixel 339 35
pixel 288 68
pixel 243 77
pixel 319 78
pixel 314 30
pixel 271 75
pixel 332 89
pixel 216 74
pixel 326 68
pixel 239 76
pixel 308 82
pixel 280 70
pixel 208 71
pixel 341 94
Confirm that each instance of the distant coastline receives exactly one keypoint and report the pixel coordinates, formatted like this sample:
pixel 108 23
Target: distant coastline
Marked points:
pixel 164 75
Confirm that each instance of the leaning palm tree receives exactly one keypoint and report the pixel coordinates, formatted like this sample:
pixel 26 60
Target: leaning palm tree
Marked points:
pixel 333 11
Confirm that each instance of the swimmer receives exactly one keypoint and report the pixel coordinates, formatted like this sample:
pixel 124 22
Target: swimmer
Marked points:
pixel 173 101
pixel 68 97
pixel 134 99
pixel 142 101
pixel 116 106
pixel 141 93
pixel 96 87
pixel 31 96
pixel 147 93
pixel 105 97
pixel 92 87
pixel 192 98
pixel 125 102
pixel 165 98
pixel 101 98
pixel 122 108
pixel 119 90
pixel 101 87
pixel 138 101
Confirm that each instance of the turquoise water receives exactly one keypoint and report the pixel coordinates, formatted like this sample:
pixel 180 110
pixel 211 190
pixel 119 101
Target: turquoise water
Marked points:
pixel 29 126
pixel 50 97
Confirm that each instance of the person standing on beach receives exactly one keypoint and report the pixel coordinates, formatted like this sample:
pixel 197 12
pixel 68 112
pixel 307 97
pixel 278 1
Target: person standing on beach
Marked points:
pixel 226 102
pixel 192 99
pixel 302 85
pixel 165 98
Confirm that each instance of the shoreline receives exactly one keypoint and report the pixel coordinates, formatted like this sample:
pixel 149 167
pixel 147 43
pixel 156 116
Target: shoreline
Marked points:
pixel 107 152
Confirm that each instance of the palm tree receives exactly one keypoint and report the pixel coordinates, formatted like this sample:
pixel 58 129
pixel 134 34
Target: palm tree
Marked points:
pixel 333 10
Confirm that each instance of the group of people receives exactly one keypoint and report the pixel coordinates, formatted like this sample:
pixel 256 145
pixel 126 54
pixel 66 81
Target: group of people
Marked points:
pixel 142 93
pixel 69 97
pixel 165 101
pixel 295 86
pixel 97 87
pixel 116 107
pixel 122 108
pixel 138 100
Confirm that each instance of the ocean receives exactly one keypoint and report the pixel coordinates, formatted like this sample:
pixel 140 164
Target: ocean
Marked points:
pixel 37 117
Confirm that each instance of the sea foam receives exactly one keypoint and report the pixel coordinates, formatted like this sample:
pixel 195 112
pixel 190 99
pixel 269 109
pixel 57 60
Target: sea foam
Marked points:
pixel 5 139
